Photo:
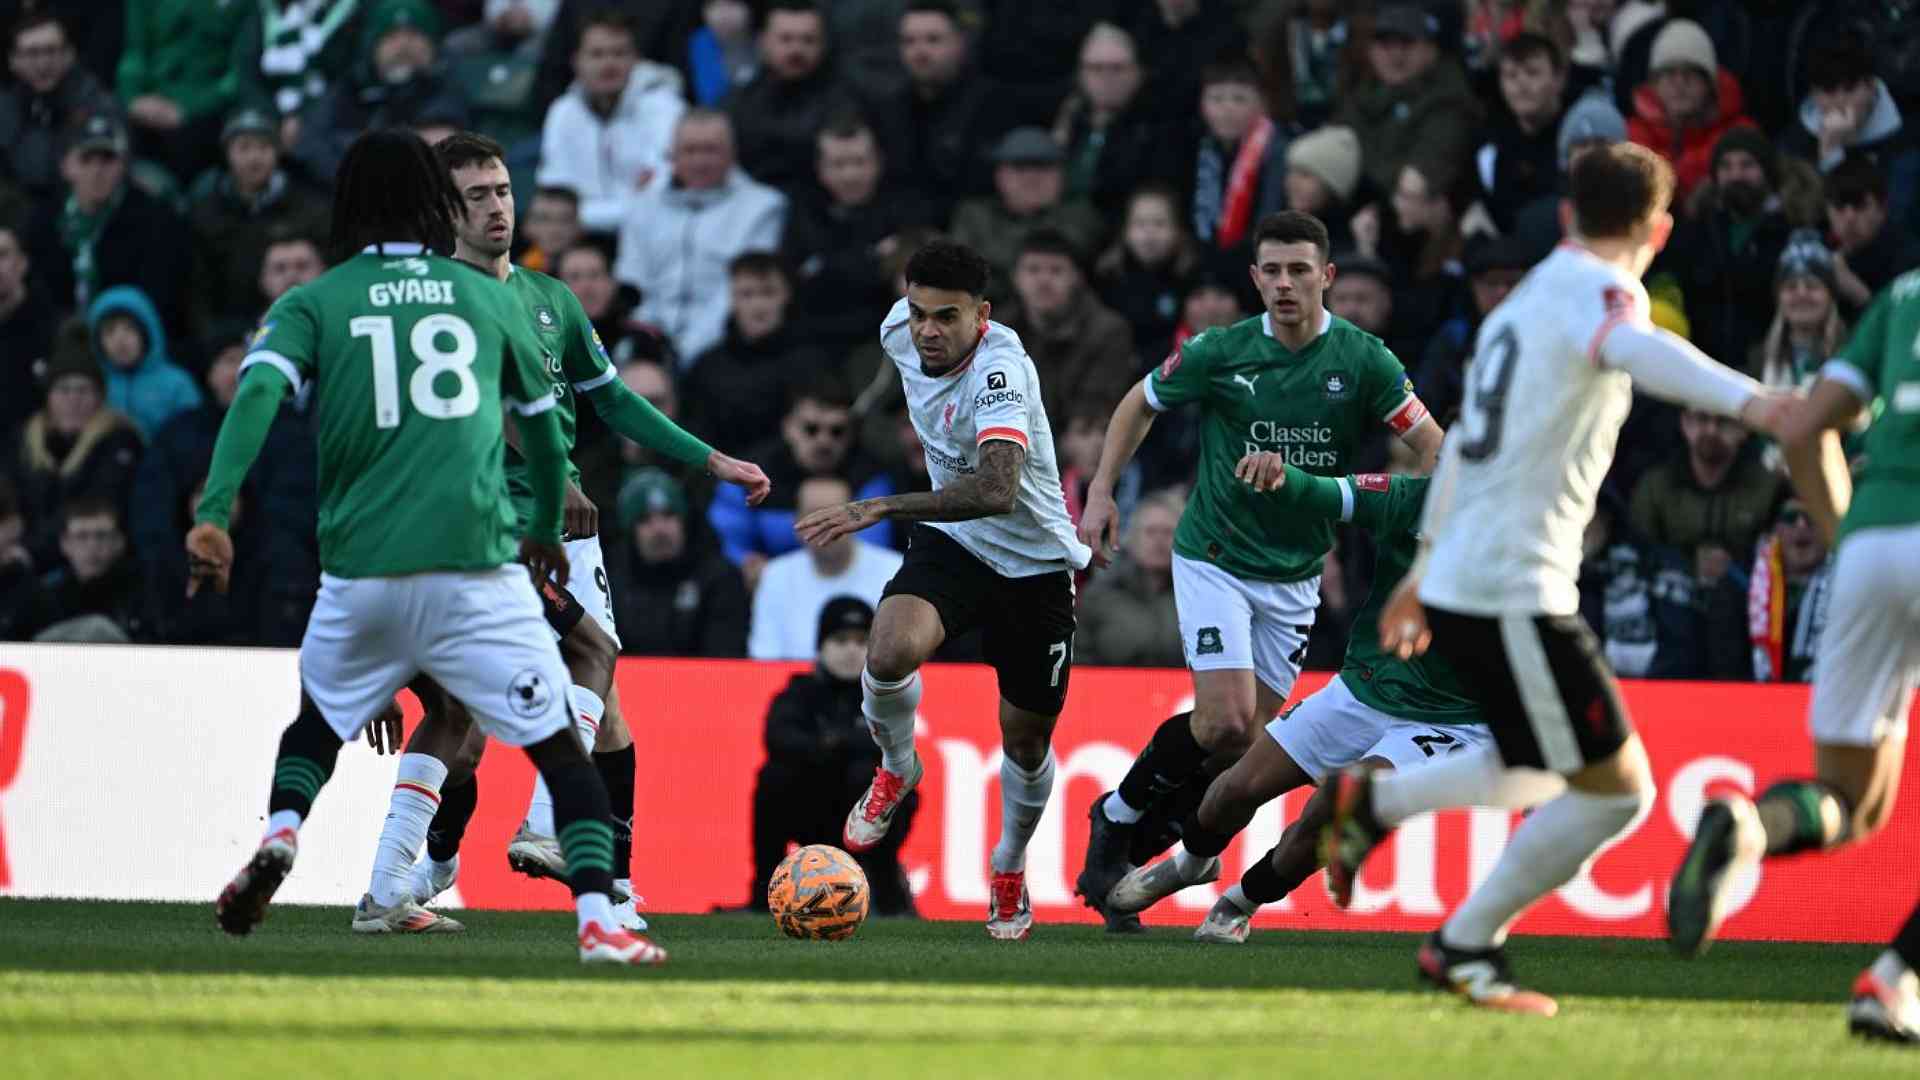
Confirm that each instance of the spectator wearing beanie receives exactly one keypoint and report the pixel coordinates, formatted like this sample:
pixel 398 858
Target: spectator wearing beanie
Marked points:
pixel 397 82
pixel 1029 180
pixel 1323 171
pixel 234 211
pixel 1807 327
pixel 1725 250
pixel 1591 121
pixel 75 445
pixel 1686 104
pixel 1414 104
pixel 671 596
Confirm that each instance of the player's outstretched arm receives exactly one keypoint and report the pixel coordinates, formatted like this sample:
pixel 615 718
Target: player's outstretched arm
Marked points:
pixel 242 433
pixel 993 489
pixel 1377 503
pixel 635 417
pixel 1670 368
pixel 1099 519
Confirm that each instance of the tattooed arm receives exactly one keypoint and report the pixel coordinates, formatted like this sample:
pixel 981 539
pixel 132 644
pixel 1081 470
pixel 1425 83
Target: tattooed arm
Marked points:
pixel 991 490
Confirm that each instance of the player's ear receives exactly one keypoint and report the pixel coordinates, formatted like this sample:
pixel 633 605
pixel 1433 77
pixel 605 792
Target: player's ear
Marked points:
pixel 1327 274
pixel 986 312
pixel 1660 231
pixel 1566 217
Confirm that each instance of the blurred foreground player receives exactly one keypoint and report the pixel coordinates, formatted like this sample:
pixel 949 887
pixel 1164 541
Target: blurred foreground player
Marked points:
pixel 418 572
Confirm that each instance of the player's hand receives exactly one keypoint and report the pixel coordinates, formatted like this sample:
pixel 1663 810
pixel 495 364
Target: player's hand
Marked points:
pixel 1100 525
pixel 1403 622
pixel 209 558
pixel 743 473
pixel 581 518
pixel 545 562
pixel 387 733
pixel 823 527
pixel 1263 470
pixel 1767 412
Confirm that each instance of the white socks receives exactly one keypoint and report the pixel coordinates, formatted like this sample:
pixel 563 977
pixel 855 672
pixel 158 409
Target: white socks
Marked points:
pixel 1237 896
pixel 416 795
pixel 587 711
pixel 1023 796
pixel 1118 810
pixel 1893 971
pixel 1189 864
pixel 1549 848
pixel 283 819
pixel 889 709
pixel 594 907
pixel 1475 777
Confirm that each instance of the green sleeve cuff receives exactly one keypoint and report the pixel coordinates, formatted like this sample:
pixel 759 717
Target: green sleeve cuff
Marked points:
pixel 635 417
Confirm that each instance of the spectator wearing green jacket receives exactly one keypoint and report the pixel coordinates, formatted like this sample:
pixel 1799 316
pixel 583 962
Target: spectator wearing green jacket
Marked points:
pixel 179 78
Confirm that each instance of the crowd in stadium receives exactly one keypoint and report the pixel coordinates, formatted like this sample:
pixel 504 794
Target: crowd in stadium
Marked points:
pixel 731 189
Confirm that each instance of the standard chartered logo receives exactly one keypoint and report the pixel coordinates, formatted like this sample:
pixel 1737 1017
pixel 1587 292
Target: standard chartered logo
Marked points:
pixel 1303 447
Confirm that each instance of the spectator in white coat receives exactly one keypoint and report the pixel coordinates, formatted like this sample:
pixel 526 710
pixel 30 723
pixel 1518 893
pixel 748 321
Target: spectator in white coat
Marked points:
pixel 607 136
pixel 687 225
pixel 795 587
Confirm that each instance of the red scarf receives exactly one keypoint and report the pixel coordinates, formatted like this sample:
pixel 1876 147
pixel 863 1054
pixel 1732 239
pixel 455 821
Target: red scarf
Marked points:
pixel 1767 612
pixel 1243 182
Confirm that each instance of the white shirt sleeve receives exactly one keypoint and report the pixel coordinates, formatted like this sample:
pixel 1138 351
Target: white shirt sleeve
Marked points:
pixel 1667 366
pixel 1000 407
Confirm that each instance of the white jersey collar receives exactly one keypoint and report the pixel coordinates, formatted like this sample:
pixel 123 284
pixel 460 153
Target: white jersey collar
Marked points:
pixel 395 247
pixel 1326 323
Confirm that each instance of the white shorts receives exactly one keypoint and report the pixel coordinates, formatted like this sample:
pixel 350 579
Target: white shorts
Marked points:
pixel 1227 623
pixel 479 634
pixel 1332 729
pixel 1868 662
pixel 587 583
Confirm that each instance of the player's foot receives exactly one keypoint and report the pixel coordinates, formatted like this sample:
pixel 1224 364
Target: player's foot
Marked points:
pixel 1009 915
pixel 1148 885
pixel 1728 839
pixel 1481 976
pixel 872 816
pixel 405 917
pixel 1107 844
pixel 626 913
pixel 1352 834
pixel 1226 924
pixel 536 856
pixel 430 880
pixel 601 945
pixel 1118 923
pixel 1880 1011
pixel 243 903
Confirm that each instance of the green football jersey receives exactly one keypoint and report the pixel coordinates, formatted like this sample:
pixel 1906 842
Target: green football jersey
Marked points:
pixel 411 356
pixel 1881 363
pixel 1314 407
pixel 577 364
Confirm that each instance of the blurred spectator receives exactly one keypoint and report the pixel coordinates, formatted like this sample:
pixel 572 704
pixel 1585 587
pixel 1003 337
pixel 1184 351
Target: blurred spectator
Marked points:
pixel 1143 275
pixel 722 54
pixel 142 380
pixel 291 258
pixel 671 598
pixel 1173 443
pixel 778 115
pixel 1807 328
pixel 1127 617
pixel 1850 113
pixel 1113 142
pixel 1726 248
pixel 820 758
pixel 50 94
pixel 1686 104
pixel 1424 244
pixel 396 81
pixel 507 26
pixel 1079 436
pixel 1362 294
pixel 1315 37
pixel 840 238
pixel 738 390
pixel 1591 121
pixel 607 459
pixel 608 135
pixel 1494 266
pixel 1413 106
pixel 178 457
pixel 1323 172
pixel 293 50
pixel 26 336
pixel 1031 48
pixel 795 588
pixel 610 305
pixel 933 133
pixel 1787 596
pixel 178 78
pixel 17 579
pixel 1239 172
pixel 688 225
pixel 552 226
pixel 95 576
pixel 73 446
pixel 107 232
pixel 1587 24
pixel 1639 599
pixel 1519 160
pixel 1185 36
pixel 1869 250
pixel 816 439
pixel 236 209
pixel 1082 350
pixel 238 616
pixel 1713 504
pixel 1030 182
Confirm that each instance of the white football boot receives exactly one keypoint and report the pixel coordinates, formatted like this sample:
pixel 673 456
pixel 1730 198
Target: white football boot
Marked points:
pixel 1145 886
pixel 1226 924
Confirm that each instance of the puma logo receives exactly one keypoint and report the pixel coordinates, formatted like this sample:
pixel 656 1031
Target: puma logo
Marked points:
pixel 1247 382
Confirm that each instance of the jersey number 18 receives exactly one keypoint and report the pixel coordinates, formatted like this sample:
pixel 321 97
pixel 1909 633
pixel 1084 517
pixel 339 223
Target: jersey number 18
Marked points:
pixel 423 389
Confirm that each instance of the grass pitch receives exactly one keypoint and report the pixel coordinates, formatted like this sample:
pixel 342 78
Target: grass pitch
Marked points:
pixel 97 989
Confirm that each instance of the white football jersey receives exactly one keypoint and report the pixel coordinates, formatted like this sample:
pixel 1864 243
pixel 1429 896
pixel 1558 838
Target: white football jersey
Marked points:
pixel 1534 439
pixel 994 395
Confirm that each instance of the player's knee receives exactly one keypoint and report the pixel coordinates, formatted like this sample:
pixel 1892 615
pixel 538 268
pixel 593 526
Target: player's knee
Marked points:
pixel 1870 815
pixel 892 659
pixel 1228 729
pixel 590 655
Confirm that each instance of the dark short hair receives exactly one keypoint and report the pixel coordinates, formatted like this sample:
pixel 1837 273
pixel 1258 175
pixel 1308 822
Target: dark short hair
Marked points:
pixel 86 506
pixel 1047 240
pixel 1838 60
pixel 609 18
pixel 846 124
pixel 828 391
pixel 759 264
pixel 1527 44
pixel 34 20
pixel 560 260
pixel 1617 188
pixel 556 191
pixel 1291 227
pixel 291 234
pixel 949 264
pixel 935 7
pixel 1853 181
pixel 1230 68
pixel 466 149
pixel 792 7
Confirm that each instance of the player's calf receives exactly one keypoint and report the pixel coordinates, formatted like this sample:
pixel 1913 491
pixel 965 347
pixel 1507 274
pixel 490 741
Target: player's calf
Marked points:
pixel 308 750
